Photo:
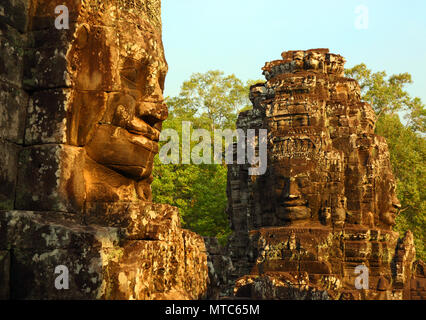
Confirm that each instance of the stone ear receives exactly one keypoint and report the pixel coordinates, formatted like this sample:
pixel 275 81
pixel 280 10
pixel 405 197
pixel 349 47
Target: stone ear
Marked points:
pixel 82 36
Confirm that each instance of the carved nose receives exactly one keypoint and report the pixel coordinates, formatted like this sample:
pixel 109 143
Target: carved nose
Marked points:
pixel 293 190
pixel 396 204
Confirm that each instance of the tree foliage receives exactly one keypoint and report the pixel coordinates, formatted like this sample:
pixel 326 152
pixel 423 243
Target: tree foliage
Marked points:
pixel 214 96
pixel 387 95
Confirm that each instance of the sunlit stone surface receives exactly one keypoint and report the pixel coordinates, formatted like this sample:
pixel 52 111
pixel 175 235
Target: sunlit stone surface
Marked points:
pixel 327 202
pixel 80 118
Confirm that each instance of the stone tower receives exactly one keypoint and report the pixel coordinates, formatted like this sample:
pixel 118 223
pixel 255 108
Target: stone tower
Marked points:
pixel 327 203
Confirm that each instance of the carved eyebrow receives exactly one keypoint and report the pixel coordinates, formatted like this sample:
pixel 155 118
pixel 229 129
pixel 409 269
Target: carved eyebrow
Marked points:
pixel 131 60
pixel 132 67
pixel 123 76
pixel 128 69
pixel 132 82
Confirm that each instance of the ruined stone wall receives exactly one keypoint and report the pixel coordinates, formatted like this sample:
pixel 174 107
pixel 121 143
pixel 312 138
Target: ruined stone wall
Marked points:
pixel 221 270
pixel 327 202
pixel 80 116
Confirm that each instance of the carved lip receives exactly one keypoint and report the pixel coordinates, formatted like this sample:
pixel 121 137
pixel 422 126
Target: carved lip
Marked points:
pixel 145 142
pixel 294 212
pixel 152 137
pixel 394 208
pixel 139 127
pixel 294 203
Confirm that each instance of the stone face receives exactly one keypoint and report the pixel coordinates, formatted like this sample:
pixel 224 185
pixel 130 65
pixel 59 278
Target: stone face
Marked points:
pixel 98 85
pixel 81 111
pixel 327 202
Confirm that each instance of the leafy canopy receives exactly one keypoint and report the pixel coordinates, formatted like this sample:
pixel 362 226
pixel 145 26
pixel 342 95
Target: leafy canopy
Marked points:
pixel 387 95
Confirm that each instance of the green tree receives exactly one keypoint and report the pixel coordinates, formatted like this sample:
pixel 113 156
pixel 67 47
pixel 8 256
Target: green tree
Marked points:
pixel 210 100
pixel 215 96
pixel 407 145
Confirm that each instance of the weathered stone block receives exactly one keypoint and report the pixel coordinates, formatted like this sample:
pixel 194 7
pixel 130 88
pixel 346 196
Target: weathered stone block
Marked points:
pixel 94 61
pixel 195 264
pixel 139 219
pixel 34 276
pixel 44 15
pixel 45 62
pixel 46 68
pixel 14 13
pixel 85 109
pixel 357 250
pixel 8 173
pixel 50 37
pixel 11 55
pixel 4 274
pixel 101 264
pixel 46 117
pixel 111 12
pixel 277 265
pixel 13 105
pixel 30 231
pixel 50 178
pixel 42 241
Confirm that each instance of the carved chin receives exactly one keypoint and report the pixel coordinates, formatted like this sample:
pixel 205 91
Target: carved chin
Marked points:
pixel 388 218
pixel 294 213
pixel 122 151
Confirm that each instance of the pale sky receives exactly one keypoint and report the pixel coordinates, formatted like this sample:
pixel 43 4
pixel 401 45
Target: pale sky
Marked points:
pixel 239 36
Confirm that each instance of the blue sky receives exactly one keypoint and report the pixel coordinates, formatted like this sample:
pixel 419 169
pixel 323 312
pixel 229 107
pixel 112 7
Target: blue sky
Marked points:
pixel 239 36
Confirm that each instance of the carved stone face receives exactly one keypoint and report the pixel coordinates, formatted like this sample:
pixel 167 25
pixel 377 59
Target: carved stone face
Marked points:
pixel 290 194
pixel 96 104
pixel 308 186
pixel 305 168
pixel 118 105
pixel 386 199
pixel 296 168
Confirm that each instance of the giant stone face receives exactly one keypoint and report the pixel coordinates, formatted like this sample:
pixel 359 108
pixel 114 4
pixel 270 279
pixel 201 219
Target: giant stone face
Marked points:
pixel 324 162
pixel 117 107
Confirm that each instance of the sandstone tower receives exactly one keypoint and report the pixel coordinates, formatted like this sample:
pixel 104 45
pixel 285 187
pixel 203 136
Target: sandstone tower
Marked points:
pixel 327 202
